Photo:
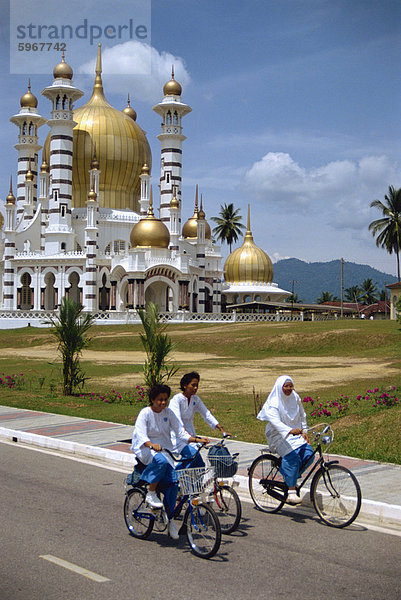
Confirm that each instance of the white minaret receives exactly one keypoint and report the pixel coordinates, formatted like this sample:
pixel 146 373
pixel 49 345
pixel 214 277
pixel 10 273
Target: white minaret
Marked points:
pixel 145 186
pixel 91 233
pixel 62 94
pixel 174 221
pixel 171 109
pixel 28 121
pixel 9 289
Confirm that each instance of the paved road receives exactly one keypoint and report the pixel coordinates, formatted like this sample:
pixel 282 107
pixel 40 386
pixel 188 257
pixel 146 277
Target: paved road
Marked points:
pixel 73 511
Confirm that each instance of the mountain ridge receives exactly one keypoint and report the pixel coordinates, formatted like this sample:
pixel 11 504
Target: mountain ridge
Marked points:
pixel 309 280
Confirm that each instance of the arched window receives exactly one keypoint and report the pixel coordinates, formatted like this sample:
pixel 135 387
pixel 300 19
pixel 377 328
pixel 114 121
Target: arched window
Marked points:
pixel 26 292
pixel 168 118
pixel 175 118
pixel 247 298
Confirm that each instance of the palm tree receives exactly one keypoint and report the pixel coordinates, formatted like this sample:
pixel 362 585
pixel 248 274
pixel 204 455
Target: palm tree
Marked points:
pixel 368 291
pixel 71 328
pixel 326 297
pixel 352 293
pixel 157 345
pixel 389 227
pixel 229 225
pixel 293 298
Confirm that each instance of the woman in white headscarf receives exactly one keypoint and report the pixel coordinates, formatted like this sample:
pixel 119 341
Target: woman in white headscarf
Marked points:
pixel 286 432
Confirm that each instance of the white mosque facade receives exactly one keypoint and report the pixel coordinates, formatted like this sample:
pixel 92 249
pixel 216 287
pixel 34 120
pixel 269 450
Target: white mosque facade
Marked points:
pixel 83 224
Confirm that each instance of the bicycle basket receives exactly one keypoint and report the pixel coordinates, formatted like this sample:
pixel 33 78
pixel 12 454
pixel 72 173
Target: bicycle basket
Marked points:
pixel 224 464
pixel 195 480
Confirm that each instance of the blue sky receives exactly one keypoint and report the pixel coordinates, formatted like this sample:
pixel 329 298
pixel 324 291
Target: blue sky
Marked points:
pixel 296 110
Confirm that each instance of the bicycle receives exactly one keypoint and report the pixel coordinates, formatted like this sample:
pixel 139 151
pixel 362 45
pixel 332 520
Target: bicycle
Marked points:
pixel 335 492
pixel 226 502
pixel 200 523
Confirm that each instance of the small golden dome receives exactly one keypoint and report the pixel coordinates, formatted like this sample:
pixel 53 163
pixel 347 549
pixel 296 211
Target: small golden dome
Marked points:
pixel 150 231
pixel 92 196
pixel 10 198
pixel 44 167
pixel 172 87
pixel 145 170
pixel 190 228
pixel 62 70
pixel 174 200
pixel 94 161
pixel 29 100
pixel 29 175
pixel 129 111
pixel 248 264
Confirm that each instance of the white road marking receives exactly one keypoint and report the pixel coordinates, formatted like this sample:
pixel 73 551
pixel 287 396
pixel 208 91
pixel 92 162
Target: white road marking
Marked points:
pixel 75 568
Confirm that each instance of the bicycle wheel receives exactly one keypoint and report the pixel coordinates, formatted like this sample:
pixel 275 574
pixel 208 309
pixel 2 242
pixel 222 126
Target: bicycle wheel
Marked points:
pixel 227 507
pixel 203 530
pixel 138 518
pixel 266 484
pixel 336 495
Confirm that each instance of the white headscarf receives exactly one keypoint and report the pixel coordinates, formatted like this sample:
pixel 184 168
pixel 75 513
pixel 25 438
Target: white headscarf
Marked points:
pixel 283 413
pixel 277 399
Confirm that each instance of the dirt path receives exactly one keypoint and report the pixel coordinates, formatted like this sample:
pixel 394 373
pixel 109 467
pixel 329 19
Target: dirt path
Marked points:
pixel 310 373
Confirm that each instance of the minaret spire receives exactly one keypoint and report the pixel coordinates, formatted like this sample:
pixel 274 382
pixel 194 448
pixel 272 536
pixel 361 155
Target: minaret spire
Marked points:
pixel 98 86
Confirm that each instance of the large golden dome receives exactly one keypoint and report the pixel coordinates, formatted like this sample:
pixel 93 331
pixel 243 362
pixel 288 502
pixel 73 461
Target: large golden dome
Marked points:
pixel 248 264
pixel 150 231
pixel 121 149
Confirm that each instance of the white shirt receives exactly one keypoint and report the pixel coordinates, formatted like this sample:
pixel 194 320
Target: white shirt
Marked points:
pixel 283 413
pixel 156 428
pixel 185 412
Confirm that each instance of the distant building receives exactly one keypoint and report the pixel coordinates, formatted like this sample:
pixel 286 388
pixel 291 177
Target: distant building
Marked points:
pixel 395 295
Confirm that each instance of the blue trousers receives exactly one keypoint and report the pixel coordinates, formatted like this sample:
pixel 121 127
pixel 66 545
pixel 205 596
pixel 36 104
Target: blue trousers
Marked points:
pixel 161 471
pixel 294 463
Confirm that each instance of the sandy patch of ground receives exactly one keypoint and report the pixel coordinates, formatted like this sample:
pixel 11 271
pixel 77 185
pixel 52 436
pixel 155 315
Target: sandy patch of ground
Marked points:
pixel 310 373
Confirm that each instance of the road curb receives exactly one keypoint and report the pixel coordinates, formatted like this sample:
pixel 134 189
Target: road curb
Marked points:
pixel 379 513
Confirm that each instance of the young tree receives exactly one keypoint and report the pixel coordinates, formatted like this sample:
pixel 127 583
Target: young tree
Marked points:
pixel 229 225
pixel 389 227
pixel 368 291
pixel 158 345
pixel 70 328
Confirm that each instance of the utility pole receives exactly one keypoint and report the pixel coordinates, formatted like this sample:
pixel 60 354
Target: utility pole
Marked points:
pixel 292 294
pixel 342 287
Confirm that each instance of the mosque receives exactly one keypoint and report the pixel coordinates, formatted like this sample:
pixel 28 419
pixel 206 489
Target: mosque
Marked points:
pixel 83 224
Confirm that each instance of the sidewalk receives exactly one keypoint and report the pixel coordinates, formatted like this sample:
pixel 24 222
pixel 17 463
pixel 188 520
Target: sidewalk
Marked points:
pixel 110 442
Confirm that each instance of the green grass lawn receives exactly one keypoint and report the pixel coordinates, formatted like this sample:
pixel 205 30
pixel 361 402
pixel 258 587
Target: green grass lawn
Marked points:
pixel 363 431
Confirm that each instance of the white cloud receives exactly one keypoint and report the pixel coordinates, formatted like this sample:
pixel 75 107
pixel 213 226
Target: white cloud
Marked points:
pixel 340 190
pixel 150 68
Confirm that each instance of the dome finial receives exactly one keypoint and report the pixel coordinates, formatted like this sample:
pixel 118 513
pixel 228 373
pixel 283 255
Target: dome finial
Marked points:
pixel 29 175
pixel 201 211
pixel 10 198
pixel 150 209
pixel 128 110
pixel 196 200
pixel 62 70
pixel 174 200
pixel 172 87
pixel 94 161
pixel 29 100
pixel 98 86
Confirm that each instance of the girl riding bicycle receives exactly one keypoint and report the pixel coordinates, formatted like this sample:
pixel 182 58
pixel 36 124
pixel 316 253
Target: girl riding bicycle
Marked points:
pixel 286 432
pixel 184 405
pixel 152 432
